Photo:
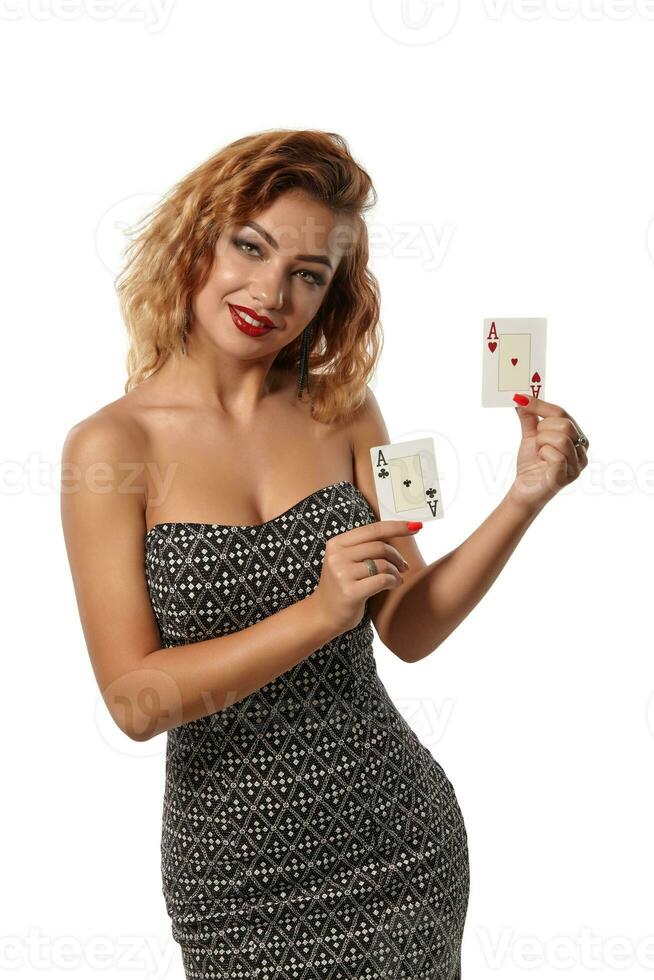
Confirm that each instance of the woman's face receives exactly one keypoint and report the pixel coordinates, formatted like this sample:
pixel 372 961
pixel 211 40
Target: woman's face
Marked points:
pixel 277 265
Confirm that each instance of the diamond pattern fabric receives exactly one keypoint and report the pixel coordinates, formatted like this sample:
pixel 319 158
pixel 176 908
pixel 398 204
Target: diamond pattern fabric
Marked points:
pixel 307 833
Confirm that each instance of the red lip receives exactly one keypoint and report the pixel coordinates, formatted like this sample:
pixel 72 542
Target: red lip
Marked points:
pixel 263 320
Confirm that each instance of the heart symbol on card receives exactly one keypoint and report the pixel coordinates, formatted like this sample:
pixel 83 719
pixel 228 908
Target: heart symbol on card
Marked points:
pixel 492 346
pixel 536 377
pixel 514 361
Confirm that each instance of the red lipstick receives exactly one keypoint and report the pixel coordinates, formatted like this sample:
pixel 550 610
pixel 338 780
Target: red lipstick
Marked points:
pixel 242 317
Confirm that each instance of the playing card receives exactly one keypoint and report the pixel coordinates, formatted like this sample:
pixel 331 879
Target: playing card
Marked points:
pixel 513 360
pixel 406 480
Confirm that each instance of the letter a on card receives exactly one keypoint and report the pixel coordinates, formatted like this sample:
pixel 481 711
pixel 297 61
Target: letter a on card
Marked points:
pixel 513 360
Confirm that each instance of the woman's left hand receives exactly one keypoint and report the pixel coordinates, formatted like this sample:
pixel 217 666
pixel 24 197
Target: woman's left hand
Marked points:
pixel 548 459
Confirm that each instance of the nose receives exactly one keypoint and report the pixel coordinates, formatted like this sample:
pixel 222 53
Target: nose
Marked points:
pixel 268 289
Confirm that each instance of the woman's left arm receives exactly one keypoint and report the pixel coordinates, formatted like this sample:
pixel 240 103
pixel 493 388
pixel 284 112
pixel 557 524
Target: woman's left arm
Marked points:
pixel 437 597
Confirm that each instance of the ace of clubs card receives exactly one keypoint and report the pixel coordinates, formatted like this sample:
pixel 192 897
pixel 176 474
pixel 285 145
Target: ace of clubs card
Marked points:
pixel 406 481
pixel 513 360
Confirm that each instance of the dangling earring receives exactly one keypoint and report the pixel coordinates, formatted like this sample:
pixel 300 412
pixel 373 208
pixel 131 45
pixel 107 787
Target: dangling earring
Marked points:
pixel 303 376
pixel 185 330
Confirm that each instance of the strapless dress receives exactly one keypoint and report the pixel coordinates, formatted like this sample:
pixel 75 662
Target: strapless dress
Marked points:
pixel 307 832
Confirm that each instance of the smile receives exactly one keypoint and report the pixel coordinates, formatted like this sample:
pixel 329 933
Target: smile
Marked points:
pixel 248 323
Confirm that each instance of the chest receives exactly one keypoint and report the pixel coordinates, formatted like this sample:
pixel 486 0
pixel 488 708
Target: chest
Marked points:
pixel 204 473
pixel 206 580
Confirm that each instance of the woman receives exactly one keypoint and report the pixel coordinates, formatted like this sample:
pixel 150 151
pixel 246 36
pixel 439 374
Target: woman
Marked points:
pixel 229 562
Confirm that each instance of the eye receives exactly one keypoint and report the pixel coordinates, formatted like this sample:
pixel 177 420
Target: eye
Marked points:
pixel 242 244
pixel 316 280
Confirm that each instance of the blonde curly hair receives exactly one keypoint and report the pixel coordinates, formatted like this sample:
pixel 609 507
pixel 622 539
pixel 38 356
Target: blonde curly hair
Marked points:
pixel 172 249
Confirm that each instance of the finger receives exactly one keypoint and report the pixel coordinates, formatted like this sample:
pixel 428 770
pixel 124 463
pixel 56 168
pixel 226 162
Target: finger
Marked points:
pixel 383 565
pixel 582 457
pixel 559 473
pixel 377 549
pixel 538 406
pixel 369 584
pixel 564 425
pixel 560 441
pixel 371 532
pixel 558 424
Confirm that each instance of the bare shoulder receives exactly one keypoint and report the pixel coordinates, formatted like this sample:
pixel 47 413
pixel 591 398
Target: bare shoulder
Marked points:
pixel 367 427
pixel 103 471
pixel 114 433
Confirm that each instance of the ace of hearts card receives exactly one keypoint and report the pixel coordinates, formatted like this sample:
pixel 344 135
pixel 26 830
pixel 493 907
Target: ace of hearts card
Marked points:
pixel 513 360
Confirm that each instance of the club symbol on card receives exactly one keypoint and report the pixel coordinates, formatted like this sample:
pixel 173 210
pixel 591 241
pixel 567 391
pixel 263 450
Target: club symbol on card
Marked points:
pixel 408 484
pixel 406 480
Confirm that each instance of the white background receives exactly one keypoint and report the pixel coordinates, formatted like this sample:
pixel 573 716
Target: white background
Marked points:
pixel 512 149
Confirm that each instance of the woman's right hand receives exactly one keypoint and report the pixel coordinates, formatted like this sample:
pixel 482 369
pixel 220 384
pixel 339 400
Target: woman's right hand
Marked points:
pixel 345 582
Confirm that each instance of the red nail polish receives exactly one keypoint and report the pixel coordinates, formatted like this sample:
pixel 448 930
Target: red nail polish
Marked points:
pixel 521 399
pixel 414 525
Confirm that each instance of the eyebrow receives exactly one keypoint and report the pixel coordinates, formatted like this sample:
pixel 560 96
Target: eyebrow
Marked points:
pixel 273 244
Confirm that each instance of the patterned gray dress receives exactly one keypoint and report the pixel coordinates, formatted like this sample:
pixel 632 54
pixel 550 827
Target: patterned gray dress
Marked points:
pixel 307 833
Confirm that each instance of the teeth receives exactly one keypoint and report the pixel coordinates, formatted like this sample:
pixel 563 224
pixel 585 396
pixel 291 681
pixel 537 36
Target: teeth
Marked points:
pixel 249 319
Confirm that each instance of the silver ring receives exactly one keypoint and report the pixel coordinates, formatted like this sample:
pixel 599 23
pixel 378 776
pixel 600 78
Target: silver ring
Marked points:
pixel 372 568
pixel 581 440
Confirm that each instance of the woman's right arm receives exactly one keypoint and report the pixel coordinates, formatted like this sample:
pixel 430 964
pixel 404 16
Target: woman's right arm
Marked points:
pixel 146 688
